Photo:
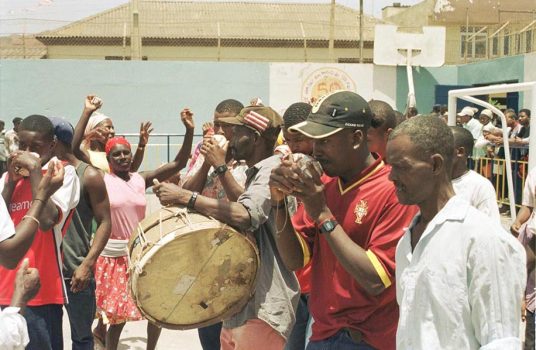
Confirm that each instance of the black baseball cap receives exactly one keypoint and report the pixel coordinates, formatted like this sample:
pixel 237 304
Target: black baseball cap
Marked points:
pixel 334 112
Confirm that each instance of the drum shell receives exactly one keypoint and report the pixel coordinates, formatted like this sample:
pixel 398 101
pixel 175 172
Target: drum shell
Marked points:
pixel 188 270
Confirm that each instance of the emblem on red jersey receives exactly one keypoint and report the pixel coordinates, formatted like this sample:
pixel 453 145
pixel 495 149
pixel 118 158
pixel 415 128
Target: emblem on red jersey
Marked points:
pixel 360 211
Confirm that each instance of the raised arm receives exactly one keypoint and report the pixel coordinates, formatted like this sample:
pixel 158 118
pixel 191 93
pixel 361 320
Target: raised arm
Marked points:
pixel 29 162
pixel 197 174
pixel 100 205
pixel 358 262
pixel 145 131
pixel 287 240
pixel 180 161
pixel 14 248
pixel 216 157
pixel 92 103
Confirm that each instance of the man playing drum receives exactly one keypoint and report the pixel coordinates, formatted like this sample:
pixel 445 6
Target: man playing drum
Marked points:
pixel 266 321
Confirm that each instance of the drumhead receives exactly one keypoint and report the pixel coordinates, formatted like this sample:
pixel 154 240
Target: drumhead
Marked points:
pixel 193 270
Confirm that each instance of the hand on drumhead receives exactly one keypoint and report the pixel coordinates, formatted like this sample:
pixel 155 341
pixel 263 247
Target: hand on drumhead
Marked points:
pixel 169 193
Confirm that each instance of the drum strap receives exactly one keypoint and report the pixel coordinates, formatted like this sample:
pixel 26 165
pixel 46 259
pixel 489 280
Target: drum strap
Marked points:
pixel 141 232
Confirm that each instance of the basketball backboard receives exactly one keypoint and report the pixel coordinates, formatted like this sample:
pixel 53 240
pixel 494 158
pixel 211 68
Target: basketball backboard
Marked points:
pixel 427 49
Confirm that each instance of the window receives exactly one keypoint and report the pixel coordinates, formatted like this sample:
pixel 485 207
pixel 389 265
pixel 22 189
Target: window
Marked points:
pixel 528 41
pixel 495 45
pixel 506 43
pixel 122 58
pixel 477 46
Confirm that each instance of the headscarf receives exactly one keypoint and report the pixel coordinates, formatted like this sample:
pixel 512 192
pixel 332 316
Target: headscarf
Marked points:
pixel 93 121
pixel 118 140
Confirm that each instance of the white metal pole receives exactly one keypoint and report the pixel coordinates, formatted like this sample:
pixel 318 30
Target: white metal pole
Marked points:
pixel 452 110
pixel 506 145
pixel 411 87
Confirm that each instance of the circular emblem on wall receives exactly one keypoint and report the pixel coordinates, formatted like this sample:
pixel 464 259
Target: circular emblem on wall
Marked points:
pixel 324 81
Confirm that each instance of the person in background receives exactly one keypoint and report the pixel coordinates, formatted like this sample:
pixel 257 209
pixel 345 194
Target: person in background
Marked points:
pixel 400 117
pixel 3 150
pixel 12 136
pixel 459 276
pixel 468 184
pixel 299 145
pixel 436 110
pixel 383 122
pixel 94 129
pixel 470 123
pixel 214 174
pixel 412 112
pixel 126 193
pixel 79 255
pixel 499 165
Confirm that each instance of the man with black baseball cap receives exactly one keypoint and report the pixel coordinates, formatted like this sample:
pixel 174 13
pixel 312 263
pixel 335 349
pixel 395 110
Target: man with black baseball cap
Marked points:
pixel 351 221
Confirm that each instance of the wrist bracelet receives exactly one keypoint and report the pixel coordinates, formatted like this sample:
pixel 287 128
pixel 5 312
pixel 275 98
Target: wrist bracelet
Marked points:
pixel 33 218
pixel 191 202
pixel 39 199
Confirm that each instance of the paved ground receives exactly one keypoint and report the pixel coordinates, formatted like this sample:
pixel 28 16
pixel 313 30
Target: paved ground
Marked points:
pixel 134 337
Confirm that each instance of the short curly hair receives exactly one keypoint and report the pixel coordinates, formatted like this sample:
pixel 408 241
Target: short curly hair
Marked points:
pixel 296 113
pixel 430 135
pixel 230 105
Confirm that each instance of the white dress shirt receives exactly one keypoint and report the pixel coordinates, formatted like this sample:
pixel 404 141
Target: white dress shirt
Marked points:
pixel 461 287
pixel 13 331
pixel 479 192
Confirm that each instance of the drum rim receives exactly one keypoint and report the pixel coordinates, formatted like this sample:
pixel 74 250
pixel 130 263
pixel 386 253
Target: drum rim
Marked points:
pixel 150 251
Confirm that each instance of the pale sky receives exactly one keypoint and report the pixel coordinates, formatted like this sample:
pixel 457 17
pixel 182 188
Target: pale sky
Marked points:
pixel 32 16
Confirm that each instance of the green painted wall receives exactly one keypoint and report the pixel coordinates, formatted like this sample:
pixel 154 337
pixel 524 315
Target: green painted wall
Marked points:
pixel 425 80
pixel 489 72
pixel 500 70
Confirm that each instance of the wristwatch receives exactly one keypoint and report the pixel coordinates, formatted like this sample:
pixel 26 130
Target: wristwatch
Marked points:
pixel 220 169
pixel 327 225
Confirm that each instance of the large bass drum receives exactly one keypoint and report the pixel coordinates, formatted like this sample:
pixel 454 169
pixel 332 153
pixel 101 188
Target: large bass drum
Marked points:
pixel 188 270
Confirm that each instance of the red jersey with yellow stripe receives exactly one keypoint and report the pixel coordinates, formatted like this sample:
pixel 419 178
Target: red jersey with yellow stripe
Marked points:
pixel 44 253
pixel 369 212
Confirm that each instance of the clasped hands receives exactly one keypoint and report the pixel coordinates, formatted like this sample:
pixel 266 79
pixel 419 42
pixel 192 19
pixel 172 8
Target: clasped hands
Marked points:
pixel 302 180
